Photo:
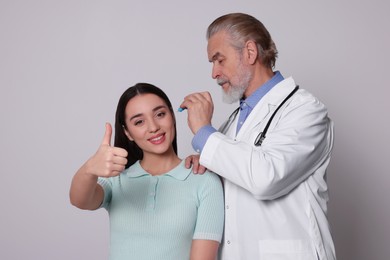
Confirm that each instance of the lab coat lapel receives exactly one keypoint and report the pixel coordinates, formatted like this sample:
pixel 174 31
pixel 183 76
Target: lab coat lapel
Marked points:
pixel 265 106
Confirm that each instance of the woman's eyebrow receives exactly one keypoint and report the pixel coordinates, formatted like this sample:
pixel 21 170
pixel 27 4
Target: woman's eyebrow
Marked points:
pixel 159 107
pixel 154 110
pixel 135 116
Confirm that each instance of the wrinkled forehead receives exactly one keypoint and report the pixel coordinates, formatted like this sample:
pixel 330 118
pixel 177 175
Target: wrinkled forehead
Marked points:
pixel 217 45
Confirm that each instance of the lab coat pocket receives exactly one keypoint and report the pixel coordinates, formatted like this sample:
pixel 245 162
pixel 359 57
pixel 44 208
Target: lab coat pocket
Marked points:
pixel 286 250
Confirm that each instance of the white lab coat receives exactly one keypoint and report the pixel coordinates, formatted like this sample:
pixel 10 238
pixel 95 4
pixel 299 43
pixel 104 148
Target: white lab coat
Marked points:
pixel 276 194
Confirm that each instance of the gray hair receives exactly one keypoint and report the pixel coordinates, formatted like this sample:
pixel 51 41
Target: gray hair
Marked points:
pixel 242 28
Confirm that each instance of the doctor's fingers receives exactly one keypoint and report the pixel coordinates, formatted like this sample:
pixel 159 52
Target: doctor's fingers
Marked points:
pixel 199 97
pixel 198 101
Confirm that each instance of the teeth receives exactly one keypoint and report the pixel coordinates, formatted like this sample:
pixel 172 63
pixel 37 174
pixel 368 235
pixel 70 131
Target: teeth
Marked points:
pixel 157 138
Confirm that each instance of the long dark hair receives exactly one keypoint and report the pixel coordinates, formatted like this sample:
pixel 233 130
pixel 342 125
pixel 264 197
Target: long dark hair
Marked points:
pixel 121 140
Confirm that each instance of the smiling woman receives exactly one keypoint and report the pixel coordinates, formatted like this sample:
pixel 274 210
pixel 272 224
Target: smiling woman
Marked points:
pixel 143 184
pixel 152 129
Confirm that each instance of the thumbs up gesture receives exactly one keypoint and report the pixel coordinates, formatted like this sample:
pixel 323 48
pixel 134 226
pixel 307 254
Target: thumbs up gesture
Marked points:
pixel 108 161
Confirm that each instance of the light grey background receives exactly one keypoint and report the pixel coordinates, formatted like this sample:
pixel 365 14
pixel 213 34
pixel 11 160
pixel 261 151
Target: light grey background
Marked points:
pixel 64 64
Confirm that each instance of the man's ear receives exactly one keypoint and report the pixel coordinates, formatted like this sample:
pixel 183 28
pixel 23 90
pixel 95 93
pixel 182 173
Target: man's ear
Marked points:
pixel 251 51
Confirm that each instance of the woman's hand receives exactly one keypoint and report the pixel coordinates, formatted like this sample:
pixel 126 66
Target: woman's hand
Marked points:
pixel 108 161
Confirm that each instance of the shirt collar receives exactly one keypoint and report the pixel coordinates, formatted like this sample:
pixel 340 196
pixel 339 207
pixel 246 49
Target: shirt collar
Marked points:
pixel 180 172
pixel 253 99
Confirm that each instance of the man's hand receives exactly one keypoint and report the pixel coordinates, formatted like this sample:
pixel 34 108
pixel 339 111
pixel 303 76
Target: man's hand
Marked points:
pixel 200 109
pixel 193 160
pixel 108 161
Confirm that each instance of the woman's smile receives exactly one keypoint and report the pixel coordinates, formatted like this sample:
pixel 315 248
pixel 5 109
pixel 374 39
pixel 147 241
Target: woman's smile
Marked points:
pixel 157 139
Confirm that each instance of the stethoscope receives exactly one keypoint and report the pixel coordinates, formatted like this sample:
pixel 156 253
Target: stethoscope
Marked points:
pixel 261 136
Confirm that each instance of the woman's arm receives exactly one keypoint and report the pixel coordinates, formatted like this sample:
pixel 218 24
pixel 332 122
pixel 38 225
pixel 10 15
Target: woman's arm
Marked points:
pixel 85 192
pixel 204 249
pixel 210 219
pixel 108 161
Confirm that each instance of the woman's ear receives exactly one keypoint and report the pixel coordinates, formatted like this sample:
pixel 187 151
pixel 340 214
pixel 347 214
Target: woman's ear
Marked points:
pixel 251 52
pixel 127 134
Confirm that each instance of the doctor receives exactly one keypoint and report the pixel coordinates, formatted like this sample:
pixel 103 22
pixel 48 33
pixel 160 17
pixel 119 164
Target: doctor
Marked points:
pixel 275 188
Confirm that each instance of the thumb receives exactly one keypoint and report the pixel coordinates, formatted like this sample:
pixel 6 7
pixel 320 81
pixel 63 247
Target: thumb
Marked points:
pixel 107 135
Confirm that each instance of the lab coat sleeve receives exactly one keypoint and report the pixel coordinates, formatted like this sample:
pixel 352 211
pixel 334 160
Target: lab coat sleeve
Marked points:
pixel 297 145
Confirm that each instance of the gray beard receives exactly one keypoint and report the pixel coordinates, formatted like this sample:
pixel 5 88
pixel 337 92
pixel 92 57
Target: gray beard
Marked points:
pixel 236 92
pixel 234 95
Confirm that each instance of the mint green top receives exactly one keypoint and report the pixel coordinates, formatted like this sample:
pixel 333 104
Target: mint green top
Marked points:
pixel 157 217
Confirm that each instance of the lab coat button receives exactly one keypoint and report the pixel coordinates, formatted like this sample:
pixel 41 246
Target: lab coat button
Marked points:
pixel 228 242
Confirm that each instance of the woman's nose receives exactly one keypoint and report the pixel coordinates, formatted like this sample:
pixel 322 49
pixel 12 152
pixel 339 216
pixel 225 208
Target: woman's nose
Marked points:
pixel 153 126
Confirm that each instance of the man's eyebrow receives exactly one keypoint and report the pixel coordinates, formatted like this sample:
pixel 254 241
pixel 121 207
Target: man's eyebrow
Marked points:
pixel 215 57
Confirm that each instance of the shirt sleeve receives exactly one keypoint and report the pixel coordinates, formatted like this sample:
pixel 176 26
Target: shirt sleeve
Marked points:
pixel 107 188
pixel 201 137
pixel 210 219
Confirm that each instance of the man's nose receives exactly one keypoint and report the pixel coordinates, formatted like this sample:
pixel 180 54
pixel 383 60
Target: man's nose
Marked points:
pixel 215 72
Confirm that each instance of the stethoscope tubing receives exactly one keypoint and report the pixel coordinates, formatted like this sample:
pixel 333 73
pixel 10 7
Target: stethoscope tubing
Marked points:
pixel 261 136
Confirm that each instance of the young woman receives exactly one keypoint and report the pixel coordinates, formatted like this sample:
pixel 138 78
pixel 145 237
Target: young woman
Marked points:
pixel 158 208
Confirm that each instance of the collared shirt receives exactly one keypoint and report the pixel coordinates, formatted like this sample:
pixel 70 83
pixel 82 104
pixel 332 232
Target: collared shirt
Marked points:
pixel 167 211
pixel 246 107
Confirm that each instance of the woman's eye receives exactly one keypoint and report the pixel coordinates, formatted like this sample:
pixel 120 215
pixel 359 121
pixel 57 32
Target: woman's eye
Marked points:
pixel 160 114
pixel 138 122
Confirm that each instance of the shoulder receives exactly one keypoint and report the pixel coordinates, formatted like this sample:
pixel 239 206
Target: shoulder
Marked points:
pixel 208 180
pixel 206 176
pixel 213 177
pixel 187 175
pixel 302 99
pixel 302 95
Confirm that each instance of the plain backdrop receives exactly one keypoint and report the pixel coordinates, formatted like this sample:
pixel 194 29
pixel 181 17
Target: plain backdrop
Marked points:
pixel 64 64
